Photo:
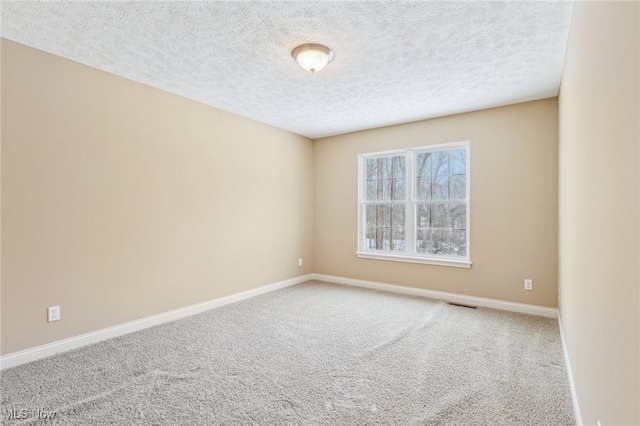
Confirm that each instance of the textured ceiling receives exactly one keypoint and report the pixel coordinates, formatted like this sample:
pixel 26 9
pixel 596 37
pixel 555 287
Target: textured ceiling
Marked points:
pixel 395 61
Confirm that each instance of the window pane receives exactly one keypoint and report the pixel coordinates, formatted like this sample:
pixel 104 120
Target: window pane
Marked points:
pixel 386 238
pixel 397 216
pixel 458 162
pixel 370 238
pixel 458 216
pixel 397 239
pixel 370 214
pixel 441 187
pixel 372 190
pixel 423 188
pixel 383 215
pixel 458 187
pixel 399 192
pixel 385 194
pixel 384 165
pixel 423 164
pixel 440 161
pixel 439 241
pixel 459 243
pixel 440 215
pixel 423 241
pixel 372 169
pixel 379 239
pixel 423 216
pixel 399 167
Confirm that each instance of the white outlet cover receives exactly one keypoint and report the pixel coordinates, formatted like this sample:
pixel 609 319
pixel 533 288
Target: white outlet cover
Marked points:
pixel 54 313
pixel 528 284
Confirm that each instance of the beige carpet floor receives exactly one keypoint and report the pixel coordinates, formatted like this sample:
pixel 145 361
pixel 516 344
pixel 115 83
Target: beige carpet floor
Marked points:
pixel 312 354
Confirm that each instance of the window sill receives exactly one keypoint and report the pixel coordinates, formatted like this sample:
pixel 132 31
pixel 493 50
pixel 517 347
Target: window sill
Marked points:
pixel 415 259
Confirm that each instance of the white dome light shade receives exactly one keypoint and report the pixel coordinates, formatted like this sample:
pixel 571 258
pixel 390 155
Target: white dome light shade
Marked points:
pixel 312 57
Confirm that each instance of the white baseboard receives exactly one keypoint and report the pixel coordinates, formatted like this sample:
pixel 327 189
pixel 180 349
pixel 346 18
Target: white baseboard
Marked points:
pixel 440 295
pixel 28 355
pixel 572 386
pixel 32 354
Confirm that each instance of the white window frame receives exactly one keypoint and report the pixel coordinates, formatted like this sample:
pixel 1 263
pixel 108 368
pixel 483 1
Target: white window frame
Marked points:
pixel 410 255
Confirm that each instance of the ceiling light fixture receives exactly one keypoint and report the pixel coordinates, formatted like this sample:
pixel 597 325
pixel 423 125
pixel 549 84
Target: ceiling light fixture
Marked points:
pixel 312 57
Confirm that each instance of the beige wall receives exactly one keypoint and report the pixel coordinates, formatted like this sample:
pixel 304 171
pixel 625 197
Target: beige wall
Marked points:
pixel 514 201
pixel 121 201
pixel 599 218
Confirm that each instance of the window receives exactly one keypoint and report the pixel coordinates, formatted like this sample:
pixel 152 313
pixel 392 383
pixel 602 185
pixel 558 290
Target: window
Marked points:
pixel 414 205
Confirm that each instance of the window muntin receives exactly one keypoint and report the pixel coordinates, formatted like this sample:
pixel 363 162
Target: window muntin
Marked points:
pixel 414 204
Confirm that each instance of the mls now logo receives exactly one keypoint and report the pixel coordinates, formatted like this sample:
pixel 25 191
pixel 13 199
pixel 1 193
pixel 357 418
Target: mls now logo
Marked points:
pixel 14 413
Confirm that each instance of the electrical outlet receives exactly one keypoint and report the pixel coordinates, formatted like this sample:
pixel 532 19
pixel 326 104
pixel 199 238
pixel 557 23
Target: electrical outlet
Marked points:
pixel 300 262
pixel 54 313
pixel 528 284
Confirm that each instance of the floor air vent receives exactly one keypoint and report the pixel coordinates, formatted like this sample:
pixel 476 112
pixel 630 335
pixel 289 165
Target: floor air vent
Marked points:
pixel 460 304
